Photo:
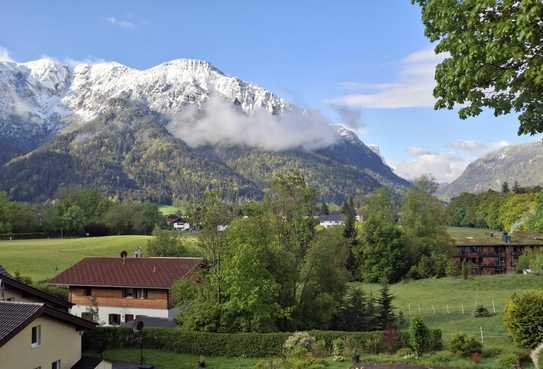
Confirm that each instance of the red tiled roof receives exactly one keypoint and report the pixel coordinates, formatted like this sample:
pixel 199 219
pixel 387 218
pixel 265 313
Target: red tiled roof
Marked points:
pixel 131 272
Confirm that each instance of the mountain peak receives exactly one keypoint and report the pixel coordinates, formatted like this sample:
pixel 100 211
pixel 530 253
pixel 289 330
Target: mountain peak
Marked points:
pixel 191 65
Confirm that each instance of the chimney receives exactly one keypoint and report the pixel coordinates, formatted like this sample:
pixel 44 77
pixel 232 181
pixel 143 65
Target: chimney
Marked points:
pixel 124 254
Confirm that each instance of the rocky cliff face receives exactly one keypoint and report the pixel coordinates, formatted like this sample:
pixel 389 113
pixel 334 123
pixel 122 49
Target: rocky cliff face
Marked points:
pixel 521 163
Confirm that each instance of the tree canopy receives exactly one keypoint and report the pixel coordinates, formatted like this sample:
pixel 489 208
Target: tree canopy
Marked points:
pixel 493 57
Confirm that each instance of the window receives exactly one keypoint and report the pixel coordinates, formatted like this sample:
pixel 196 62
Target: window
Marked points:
pixel 128 293
pixel 87 291
pixel 128 317
pixel 87 315
pixel 36 336
pixel 55 364
pixel 141 293
pixel 114 319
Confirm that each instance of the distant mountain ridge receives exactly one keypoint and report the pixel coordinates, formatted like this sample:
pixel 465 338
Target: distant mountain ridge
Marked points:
pixel 105 126
pixel 522 163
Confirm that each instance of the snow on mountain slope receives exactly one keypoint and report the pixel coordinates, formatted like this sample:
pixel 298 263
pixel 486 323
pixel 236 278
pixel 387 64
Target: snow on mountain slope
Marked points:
pixel 45 88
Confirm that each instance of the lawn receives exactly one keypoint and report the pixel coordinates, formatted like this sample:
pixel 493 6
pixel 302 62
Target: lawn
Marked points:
pixel 466 235
pixel 169 209
pixel 448 303
pixel 41 259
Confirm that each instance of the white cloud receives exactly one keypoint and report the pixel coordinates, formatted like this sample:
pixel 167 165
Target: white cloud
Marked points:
pixel 122 23
pixel 445 166
pixel 477 147
pixel 412 89
pixel 4 55
pixel 221 123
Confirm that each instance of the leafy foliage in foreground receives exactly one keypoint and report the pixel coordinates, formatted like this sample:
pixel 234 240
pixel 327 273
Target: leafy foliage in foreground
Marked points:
pixel 493 57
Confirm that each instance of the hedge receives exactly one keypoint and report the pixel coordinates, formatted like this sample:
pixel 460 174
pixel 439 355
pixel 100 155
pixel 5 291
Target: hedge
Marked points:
pixel 221 344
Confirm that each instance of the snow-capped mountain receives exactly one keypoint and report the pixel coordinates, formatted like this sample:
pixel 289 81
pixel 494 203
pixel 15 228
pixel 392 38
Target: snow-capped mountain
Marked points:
pixel 46 90
pixel 108 126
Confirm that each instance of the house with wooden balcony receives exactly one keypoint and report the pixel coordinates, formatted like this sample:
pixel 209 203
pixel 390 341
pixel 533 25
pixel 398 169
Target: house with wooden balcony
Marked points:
pixel 493 258
pixel 116 290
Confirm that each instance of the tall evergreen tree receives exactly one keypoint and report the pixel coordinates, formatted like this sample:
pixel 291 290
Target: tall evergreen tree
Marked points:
pixel 350 234
pixel 385 310
pixel 324 209
pixel 505 187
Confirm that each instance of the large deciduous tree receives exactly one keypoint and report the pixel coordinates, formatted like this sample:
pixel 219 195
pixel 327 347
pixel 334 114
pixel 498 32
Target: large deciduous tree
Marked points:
pixel 382 253
pixel 493 57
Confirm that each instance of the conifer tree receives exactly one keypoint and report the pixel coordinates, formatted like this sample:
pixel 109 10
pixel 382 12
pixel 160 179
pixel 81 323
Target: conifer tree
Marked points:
pixel 385 310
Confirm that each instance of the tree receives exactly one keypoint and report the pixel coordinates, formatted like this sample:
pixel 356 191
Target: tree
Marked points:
pixel 516 188
pixel 350 234
pixel 523 318
pixel 382 253
pixel 505 187
pixel 492 57
pixel 167 244
pixel 73 220
pixel 419 336
pixel 424 221
pixel 324 209
pixel 353 313
pixel 385 310
pixel 251 288
pixel 323 280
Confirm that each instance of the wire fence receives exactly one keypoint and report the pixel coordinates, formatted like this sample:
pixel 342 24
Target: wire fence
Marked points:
pixel 447 314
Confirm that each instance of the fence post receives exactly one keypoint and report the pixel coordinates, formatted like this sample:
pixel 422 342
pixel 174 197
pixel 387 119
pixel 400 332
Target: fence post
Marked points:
pixel 482 336
pixel 493 306
pixel 462 308
pixel 447 308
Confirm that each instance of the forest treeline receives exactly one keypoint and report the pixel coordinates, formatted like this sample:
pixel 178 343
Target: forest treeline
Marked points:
pixel 512 209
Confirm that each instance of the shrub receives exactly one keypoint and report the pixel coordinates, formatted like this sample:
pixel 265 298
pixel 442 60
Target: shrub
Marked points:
pixel 318 348
pixel 420 336
pixel 481 312
pixel 299 343
pixel 436 340
pixel 338 348
pixel 507 360
pixel 465 346
pixel 391 339
pixel 224 344
pixel 523 318
pixel 405 353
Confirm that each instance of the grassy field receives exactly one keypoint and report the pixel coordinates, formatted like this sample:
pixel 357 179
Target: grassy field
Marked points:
pixel 169 209
pixel 465 235
pixel 448 303
pixel 43 258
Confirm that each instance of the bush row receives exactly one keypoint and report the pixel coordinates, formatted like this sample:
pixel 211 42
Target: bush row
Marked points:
pixel 226 344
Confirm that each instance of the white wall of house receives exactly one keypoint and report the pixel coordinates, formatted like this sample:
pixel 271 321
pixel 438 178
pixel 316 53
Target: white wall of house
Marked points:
pixel 328 223
pixel 104 311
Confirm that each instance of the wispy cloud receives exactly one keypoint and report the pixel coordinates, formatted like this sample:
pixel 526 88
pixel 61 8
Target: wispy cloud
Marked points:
pixel 476 147
pixel 4 55
pixel 412 89
pixel 444 165
pixel 121 23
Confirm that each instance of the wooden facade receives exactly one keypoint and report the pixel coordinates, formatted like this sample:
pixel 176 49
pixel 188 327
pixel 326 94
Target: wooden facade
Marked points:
pixel 492 258
pixel 116 297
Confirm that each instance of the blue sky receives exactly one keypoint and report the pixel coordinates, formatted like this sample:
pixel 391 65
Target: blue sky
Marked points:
pixel 371 56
